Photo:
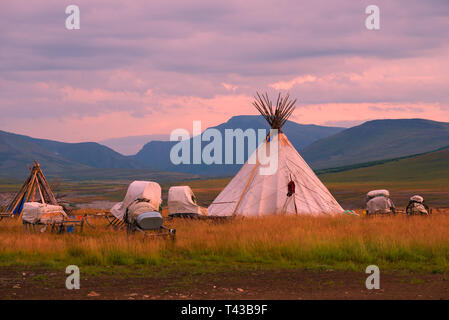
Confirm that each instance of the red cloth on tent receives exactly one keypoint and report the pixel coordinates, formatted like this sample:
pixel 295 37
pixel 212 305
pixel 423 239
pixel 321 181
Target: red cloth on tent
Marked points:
pixel 291 188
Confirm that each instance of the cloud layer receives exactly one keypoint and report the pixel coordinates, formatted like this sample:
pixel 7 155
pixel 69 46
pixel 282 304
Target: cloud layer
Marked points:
pixel 147 67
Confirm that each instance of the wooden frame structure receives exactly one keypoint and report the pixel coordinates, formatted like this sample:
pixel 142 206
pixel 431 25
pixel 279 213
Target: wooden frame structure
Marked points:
pixel 35 187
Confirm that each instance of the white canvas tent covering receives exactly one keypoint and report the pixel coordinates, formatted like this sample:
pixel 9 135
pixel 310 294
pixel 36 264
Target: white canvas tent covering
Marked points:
pixel 139 190
pixel 251 193
pixel 34 212
pixel 181 199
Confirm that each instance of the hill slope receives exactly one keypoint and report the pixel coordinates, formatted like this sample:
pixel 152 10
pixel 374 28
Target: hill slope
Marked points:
pixel 91 154
pixel 18 151
pixel 376 140
pixel 426 174
pixel 423 167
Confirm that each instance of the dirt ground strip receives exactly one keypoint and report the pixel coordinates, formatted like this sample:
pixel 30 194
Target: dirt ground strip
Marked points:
pixel 17 283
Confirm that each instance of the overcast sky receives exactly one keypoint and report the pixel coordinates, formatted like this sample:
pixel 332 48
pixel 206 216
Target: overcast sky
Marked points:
pixel 148 67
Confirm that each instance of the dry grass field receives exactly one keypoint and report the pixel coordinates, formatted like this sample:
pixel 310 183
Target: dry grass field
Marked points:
pixel 278 257
pixel 271 258
pixel 345 243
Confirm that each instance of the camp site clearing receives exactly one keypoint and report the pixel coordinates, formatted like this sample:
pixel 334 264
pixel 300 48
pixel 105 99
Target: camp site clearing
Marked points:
pixel 277 257
pixel 289 236
pixel 269 258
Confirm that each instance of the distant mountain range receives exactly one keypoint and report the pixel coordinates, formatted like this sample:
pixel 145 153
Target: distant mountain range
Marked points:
pixel 322 147
pixel 156 154
pixel 74 161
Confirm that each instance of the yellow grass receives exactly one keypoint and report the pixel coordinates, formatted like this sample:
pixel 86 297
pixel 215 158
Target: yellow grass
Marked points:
pixel 280 241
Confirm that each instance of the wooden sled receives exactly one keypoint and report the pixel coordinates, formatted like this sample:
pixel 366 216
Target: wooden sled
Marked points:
pixel 195 216
pixel 187 216
pixel 67 225
pixel 5 215
pixel 131 228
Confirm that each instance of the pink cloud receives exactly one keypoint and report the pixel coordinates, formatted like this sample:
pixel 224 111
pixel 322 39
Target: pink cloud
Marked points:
pixel 160 65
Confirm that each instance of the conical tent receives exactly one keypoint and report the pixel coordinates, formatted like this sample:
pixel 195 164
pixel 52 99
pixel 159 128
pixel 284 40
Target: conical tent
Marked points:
pixel 291 189
pixel 35 188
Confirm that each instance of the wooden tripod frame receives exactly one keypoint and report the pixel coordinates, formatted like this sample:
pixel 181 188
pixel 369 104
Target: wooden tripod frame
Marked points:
pixel 36 183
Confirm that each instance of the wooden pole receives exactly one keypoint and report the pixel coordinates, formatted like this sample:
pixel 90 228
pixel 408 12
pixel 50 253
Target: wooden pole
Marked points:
pixel 46 187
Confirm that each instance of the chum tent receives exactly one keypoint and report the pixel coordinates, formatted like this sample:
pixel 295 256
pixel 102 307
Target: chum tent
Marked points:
pixel 292 189
pixel 181 199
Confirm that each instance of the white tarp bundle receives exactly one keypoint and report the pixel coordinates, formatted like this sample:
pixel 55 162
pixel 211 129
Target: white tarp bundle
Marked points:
pixel 416 206
pixel 379 202
pixel 181 199
pixel 252 194
pixel 377 193
pixel 34 212
pixel 417 199
pixel 149 192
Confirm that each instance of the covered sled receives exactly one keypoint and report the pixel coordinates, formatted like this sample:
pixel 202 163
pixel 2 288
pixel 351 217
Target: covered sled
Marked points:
pixel 416 206
pixel 36 214
pixel 182 203
pixel 140 210
pixel 379 202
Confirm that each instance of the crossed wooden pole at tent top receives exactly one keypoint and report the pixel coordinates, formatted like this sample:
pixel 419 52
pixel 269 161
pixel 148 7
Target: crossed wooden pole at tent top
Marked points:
pixel 278 116
pixel 35 185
